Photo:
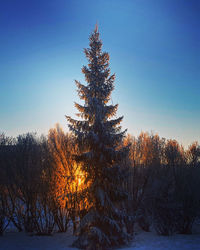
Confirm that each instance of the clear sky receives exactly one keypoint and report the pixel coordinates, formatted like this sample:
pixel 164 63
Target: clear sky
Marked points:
pixel 154 46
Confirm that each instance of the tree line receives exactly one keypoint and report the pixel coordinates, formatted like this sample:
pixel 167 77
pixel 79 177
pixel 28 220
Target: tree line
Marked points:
pixel 41 183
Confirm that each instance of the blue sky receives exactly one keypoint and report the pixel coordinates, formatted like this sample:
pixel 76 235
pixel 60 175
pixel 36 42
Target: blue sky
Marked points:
pixel 154 50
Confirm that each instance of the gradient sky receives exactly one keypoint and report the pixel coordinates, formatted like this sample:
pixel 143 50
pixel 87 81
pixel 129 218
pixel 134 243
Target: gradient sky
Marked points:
pixel 154 46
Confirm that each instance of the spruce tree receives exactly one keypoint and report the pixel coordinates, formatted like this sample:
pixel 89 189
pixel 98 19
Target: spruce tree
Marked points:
pixel 100 140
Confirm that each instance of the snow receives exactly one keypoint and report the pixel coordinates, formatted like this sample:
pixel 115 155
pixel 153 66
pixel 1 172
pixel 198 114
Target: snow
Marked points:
pixel 22 241
pixel 13 240
pixel 151 241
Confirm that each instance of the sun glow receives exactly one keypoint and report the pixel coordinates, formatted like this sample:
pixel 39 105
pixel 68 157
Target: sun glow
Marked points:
pixel 79 179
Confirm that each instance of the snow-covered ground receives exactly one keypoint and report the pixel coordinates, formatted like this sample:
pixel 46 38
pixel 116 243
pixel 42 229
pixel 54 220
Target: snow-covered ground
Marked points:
pixel 21 241
pixel 62 241
pixel 151 241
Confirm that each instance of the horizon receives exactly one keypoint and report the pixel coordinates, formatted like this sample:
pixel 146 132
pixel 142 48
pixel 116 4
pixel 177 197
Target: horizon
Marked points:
pixel 154 51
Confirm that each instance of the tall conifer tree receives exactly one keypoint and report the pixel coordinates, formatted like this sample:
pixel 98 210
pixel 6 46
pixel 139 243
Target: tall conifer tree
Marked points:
pixel 100 139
